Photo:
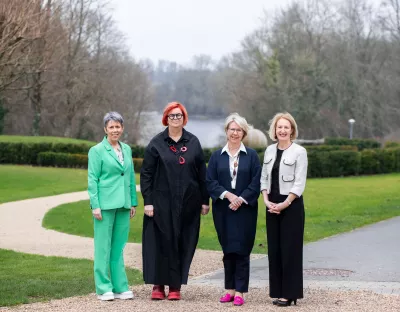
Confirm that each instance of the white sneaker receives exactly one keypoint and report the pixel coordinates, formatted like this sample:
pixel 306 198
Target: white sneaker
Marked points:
pixel 124 295
pixel 106 296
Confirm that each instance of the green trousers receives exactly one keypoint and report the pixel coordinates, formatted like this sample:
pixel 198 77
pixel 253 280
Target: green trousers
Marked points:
pixel 110 236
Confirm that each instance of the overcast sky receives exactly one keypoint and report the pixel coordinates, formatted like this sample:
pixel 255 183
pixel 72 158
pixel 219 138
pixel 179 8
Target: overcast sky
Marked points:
pixel 176 30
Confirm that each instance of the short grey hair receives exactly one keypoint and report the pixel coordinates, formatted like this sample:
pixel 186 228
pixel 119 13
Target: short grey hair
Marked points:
pixel 113 116
pixel 241 121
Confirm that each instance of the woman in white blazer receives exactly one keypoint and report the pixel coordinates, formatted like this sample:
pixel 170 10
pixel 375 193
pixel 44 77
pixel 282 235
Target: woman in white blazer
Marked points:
pixel 283 180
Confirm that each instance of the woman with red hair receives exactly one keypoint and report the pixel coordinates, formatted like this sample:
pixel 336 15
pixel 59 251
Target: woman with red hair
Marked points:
pixel 172 182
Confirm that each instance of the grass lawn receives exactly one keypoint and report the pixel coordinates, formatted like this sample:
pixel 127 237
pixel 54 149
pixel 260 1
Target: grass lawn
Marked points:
pixel 42 139
pixel 29 278
pixel 22 182
pixel 333 206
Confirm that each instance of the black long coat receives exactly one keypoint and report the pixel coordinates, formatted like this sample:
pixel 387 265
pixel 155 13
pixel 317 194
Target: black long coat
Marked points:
pixel 177 192
pixel 236 229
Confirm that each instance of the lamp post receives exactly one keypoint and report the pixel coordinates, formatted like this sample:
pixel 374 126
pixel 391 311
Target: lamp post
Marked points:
pixel 351 122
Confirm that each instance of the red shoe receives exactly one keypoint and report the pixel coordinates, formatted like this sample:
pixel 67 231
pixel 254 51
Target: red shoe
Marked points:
pixel 158 292
pixel 174 294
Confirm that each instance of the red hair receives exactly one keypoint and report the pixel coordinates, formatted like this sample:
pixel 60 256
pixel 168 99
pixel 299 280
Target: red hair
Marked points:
pixel 169 108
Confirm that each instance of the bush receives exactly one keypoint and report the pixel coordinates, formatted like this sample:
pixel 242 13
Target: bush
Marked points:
pixel 390 144
pixel 360 143
pixel 207 153
pixel 137 164
pixel 27 153
pixel 51 159
pixel 65 160
pixel 397 158
pixel 388 159
pixel 329 148
pixel 369 162
pixel 333 164
pixel 21 153
pixel 138 151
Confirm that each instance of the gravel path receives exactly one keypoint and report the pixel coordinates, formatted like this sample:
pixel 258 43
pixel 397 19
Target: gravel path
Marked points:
pixel 21 230
pixel 205 299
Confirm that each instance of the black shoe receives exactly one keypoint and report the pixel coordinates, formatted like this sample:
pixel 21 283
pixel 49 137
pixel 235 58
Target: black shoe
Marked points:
pixel 275 302
pixel 286 303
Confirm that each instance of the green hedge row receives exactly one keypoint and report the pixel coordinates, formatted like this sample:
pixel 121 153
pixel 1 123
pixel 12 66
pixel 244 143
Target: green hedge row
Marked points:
pixel 65 160
pixel 345 163
pixel 27 153
pixel 321 163
pixel 390 144
pixel 325 160
pixel 360 143
pixel 336 163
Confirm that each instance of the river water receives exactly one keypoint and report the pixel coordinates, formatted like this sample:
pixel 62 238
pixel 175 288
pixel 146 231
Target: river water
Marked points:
pixel 210 132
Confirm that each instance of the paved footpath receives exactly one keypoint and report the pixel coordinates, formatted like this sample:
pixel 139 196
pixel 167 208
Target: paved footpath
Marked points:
pixel 367 258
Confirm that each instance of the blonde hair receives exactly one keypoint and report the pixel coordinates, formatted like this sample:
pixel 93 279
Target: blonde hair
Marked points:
pixel 274 121
pixel 241 121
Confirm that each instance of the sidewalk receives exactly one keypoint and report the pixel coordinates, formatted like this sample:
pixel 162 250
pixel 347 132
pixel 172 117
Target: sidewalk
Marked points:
pixel 367 258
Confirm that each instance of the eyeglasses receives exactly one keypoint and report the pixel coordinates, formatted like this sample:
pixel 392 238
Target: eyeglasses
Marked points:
pixel 175 116
pixel 235 130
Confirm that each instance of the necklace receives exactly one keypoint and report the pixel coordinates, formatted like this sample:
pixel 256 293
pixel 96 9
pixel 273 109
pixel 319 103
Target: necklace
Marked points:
pixel 235 165
pixel 177 152
pixel 282 149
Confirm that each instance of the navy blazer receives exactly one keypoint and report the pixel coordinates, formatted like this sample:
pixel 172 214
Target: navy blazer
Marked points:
pixel 248 176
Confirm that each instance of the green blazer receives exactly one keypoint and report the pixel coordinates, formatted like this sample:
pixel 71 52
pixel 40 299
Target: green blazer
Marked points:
pixel 110 184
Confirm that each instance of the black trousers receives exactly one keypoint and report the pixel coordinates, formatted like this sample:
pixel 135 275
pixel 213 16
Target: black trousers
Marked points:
pixel 285 234
pixel 237 271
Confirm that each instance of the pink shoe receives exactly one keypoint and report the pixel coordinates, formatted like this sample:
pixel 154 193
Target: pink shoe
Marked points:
pixel 238 301
pixel 226 298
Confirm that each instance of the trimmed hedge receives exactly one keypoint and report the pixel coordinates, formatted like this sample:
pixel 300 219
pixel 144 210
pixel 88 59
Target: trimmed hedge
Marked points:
pixel 27 153
pixel 333 164
pixel 324 160
pixel 137 164
pixel 137 151
pixel 390 144
pixel 322 164
pixel 329 148
pixel 360 143
pixel 51 159
pixel 65 160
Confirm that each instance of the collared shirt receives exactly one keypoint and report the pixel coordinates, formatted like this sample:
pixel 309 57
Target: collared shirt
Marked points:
pixel 119 153
pixel 232 159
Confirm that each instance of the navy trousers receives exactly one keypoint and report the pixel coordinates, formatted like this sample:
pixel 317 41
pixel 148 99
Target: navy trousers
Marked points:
pixel 237 271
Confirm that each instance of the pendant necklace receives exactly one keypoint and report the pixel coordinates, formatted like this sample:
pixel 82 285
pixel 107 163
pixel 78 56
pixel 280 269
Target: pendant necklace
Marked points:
pixel 235 165
pixel 177 152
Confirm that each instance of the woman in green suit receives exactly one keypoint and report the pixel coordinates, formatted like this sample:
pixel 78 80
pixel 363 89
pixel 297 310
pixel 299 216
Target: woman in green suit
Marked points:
pixel 112 192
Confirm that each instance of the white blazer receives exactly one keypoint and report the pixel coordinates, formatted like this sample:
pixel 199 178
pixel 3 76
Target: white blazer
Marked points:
pixel 292 169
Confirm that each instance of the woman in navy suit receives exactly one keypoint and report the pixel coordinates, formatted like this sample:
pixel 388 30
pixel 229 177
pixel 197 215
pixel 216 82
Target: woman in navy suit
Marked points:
pixel 233 182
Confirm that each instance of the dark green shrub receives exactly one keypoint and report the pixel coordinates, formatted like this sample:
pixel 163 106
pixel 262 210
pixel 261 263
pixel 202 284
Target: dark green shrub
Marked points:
pixel 390 144
pixel 369 162
pixel 360 143
pixel 343 163
pixel 137 164
pixel 318 164
pixel 137 151
pixel 51 159
pixel 27 153
pixel 328 148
